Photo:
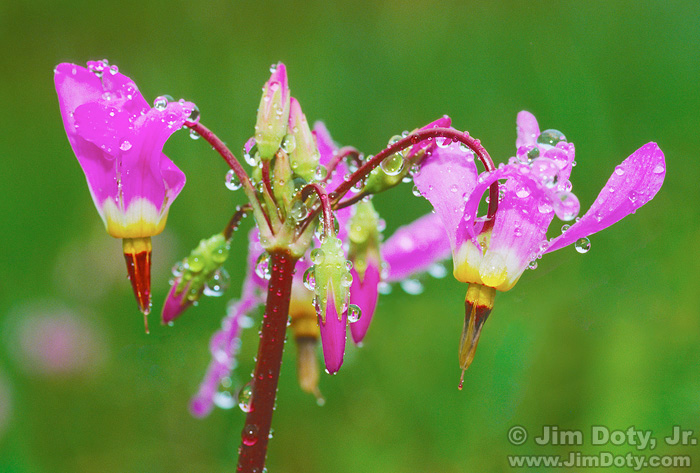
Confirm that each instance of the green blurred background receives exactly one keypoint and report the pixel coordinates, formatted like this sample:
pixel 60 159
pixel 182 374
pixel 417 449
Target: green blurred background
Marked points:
pixel 606 338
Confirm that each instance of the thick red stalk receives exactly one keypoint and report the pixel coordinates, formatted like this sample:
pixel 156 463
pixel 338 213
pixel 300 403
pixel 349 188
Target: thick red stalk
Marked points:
pixel 256 430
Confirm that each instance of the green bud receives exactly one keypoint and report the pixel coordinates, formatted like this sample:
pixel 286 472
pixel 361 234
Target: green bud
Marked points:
pixel 331 275
pixel 304 156
pixel 273 114
pixel 364 236
pixel 202 264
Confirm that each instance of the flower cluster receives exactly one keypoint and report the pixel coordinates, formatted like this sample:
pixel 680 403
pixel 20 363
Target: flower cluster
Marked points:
pixel 317 256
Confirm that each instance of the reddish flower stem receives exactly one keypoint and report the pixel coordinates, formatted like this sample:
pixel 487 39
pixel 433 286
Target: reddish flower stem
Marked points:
pixel 232 162
pixel 342 153
pixel 266 179
pixel 416 138
pixel 256 431
pixel 325 204
pixel 235 221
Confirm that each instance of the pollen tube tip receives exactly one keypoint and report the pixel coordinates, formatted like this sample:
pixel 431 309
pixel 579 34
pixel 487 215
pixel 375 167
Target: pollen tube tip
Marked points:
pixel 137 253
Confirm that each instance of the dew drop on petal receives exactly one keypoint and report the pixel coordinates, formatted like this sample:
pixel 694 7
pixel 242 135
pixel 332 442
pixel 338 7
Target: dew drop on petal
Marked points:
pixel 522 191
pixel 532 265
pixel 161 102
pixel 125 145
pixel 416 191
pixel 619 170
pixel 659 169
pixel 551 137
pixel 582 245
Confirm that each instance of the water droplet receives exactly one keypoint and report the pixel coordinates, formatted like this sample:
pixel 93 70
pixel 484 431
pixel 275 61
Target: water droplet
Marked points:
pixel 245 398
pixel 113 69
pixel 317 256
pixel 262 266
pixel 583 245
pixel 522 191
pixel 384 288
pixel 416 191
pixel 551 137
pixel 125 145
pixel 194 115
pixel 532 265
pixel 454 188
pixel 392 165
pixel 250 435
pixel 348 265
pixel 178 269
pixel 299 211
pixel 224 400
pixel 565 227
pixel 194 264
pixel 217 284
pixel 194 135
pixel 346 280
pixel 412 286
pixel 232 182
pixel 545 207
pixel 289 144
pixel 161 102
pixel 354 313
pixel 659 169
pixel 310 279
pixel 437 270
pixel 321 173
pixel 619 170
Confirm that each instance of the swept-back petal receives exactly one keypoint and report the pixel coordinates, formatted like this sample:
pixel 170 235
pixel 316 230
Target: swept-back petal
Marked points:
pixel 446 176
pixel 364 293
pixel 633 183
pixel 413 248
pixel 528 129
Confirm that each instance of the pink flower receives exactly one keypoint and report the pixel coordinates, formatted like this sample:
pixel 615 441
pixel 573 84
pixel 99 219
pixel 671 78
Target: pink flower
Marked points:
pixel 495 253
pixel 118 139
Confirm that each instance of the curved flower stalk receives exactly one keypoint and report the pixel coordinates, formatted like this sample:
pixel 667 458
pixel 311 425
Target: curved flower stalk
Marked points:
pixel 492 254
pixel 118 139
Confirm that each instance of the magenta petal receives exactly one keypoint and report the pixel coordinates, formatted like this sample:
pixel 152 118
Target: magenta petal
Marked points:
pixel 324 142
pixel 363 293
pixel 333 334
pixel 175 304
pixel 528 129
pixel 413 248
pixel 446 176
pixel 634 183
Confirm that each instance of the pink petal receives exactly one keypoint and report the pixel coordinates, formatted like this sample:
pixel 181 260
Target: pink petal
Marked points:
pixel 520 225
pixel 446 176
pixel 324 142
pixel 333 334
pixel 634 183
pixel 413 248
pixel 175 304
pixel 364 293
pixel 528 129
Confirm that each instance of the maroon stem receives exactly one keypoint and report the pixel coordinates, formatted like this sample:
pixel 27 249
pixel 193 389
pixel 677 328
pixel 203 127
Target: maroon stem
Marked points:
pixel 256 430
pixel 235 220
pixel 339 156
pixel 325 204
pixel 415 138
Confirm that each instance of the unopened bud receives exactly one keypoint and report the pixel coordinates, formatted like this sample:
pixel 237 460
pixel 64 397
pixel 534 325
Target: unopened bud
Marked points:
pixel 273 113
pixel 305 156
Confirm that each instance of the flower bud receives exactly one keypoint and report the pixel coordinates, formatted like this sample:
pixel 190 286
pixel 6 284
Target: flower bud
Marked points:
pixel 332 282
pixel 199 272
pixel 364 236
pixel 273 113
pixel 305 156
